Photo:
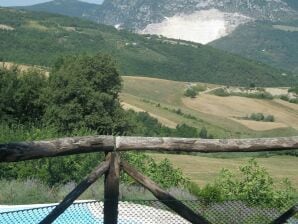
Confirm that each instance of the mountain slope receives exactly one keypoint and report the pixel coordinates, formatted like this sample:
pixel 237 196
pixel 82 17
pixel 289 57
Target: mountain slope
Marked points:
pixel 73 8
pixel 272 43
pixel 39 38
pixel 138 14
pixel 202 21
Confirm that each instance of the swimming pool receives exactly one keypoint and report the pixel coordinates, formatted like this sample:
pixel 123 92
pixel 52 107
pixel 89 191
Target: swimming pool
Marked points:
pixel 88 212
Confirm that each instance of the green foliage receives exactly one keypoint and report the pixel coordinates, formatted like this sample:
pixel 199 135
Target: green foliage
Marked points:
pixel 142 124
pixel 290 100
pixel 260 94
pixel 83 92
pixel 221 92
pixel 257 117
pixel 293 90
pixel 20 93
pixel 45 37
pixel 253 186
pixel 190 92
pixel 263 42
pixel 162 173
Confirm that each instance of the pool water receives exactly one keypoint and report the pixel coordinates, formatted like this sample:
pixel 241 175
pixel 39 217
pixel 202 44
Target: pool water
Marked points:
pixel 75 214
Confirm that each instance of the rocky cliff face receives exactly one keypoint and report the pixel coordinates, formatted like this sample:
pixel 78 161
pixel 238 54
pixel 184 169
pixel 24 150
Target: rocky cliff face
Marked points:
pixel 137 14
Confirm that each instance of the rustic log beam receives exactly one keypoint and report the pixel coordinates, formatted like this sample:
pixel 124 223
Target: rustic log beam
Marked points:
pixel 205 145
pixel 74 194
pixel 164 196
pixel 286 216
pixel 111 191
pixel 15 152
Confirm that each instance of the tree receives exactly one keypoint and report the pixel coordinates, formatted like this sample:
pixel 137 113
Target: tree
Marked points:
pixel 83 92
pixel 20 95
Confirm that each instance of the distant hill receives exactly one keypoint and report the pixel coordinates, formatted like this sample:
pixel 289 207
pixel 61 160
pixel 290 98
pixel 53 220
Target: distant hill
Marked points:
pixel 73 8
pixel 160 17
pixel 272 43
pixel 40 38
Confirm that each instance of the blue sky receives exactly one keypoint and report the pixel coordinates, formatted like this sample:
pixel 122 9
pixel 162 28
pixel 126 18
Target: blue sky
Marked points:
pixel 32 2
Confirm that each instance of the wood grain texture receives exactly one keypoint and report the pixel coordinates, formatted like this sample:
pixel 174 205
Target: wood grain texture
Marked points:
pixel 14 152
pixel 111 191
pixel 164 196
pixel 75 193
pixel 205 145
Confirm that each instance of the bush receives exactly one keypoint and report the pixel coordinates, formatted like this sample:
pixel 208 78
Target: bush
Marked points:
pixel 162 173
pixel 261 117
pixel 284 97
pixel 257 117
pixel 253 186
pixel 221 92
pixel 190 92
pixel 269 118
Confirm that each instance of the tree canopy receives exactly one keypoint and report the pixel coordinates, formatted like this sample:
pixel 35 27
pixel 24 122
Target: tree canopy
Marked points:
pixel 83 92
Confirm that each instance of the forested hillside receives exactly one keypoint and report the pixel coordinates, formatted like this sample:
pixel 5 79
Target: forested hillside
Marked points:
pixel 39 38
pixel 272 43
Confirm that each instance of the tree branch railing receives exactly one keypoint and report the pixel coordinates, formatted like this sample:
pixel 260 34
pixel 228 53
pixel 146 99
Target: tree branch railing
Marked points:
pixel 15 152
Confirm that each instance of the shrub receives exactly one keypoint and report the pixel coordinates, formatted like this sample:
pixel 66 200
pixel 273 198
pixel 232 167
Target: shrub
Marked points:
pixel 257 117
pixel 221 92
pixel 284 97
pixel 269 118
pixel 254 186
pixel 199 88
pixel 190 92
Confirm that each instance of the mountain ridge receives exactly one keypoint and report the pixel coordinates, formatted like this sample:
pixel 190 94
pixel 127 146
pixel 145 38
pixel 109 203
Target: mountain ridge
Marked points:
pixel 227 29
pixel 41 38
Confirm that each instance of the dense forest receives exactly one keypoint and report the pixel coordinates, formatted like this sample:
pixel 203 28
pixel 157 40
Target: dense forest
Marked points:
pixel 39 38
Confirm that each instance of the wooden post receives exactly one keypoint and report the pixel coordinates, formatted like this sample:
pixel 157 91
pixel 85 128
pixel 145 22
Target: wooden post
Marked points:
pixel 111 191
pixel 287 215
pixel 74 194
pixel 164 196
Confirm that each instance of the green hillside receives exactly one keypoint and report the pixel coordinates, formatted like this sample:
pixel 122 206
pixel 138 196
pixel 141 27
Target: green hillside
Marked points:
pixel 271 43
pixel 40 38
pixel 67 7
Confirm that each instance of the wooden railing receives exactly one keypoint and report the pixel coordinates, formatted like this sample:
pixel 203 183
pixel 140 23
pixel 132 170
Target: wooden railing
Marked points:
pixel 15 152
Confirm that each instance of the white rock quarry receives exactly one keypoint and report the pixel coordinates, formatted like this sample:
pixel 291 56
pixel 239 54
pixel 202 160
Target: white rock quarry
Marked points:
pixel 202 26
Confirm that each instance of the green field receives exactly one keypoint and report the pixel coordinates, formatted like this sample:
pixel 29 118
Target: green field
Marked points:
pixel 203 170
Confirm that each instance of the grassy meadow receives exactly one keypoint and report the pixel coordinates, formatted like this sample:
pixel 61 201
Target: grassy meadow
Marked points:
pixel 203 170
pixel 219 115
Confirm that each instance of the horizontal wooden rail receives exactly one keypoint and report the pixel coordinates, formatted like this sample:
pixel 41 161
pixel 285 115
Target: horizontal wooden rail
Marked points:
pixel 205 145
pixel 15 152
